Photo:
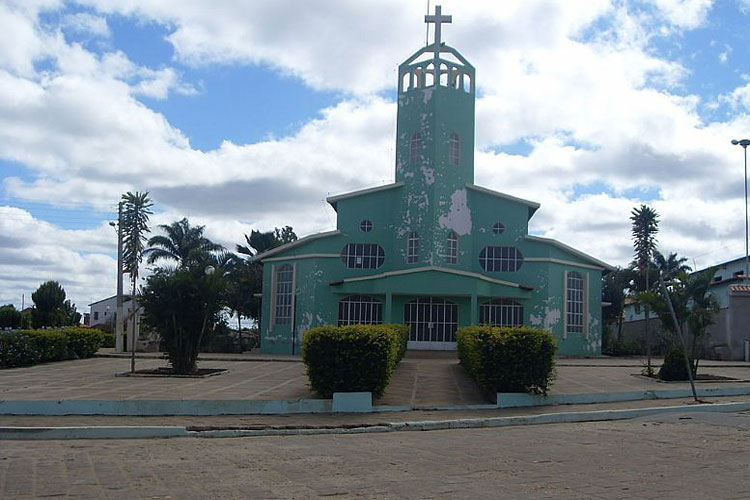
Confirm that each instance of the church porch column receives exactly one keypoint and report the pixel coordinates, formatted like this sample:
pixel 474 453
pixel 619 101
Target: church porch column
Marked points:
pixel 388 313
pixel 474 309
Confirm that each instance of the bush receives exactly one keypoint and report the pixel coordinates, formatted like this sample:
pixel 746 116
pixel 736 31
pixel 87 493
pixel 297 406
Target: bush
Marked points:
pixel 674 367
pixel 83 342
pixel 108 338
pixel 353 358
pixel 517 359
pixel 17 349
pixel 52 345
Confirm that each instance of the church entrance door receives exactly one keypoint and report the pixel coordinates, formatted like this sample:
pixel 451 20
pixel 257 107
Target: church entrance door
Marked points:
pixel 433 322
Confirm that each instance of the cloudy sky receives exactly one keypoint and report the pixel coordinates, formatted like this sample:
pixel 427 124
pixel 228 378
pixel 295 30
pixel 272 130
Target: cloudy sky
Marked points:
pixel 246 114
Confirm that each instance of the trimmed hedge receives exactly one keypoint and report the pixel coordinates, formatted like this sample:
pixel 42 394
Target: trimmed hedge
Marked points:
pixel 83 342
pixel 353 358
pixel 17 349
pixel 28 347
pixel 516 359
pixel 52 345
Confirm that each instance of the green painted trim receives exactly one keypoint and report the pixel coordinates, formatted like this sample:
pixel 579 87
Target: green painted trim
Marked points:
pixel 305 256
pixel 353 194
pixel 563 262
pixel 571 250
pixel 433 268
pixel 263 256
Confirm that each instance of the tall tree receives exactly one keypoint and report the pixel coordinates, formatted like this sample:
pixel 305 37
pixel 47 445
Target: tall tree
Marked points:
pixel 183 244
pixel 48 302
pixel 645 225
pixel 136 210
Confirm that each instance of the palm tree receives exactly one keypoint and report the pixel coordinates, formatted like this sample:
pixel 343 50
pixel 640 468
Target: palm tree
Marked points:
pixel 136 209
pixel 259 242
pixel 645 225
pixel 670 266
pixel 183 243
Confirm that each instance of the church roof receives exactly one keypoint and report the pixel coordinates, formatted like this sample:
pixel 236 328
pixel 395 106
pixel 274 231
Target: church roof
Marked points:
pixel 533 206
pixel 287 246
pixel 571 250
pixel 334 199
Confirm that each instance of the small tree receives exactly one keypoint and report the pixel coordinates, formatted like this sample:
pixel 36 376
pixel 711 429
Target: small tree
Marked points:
pixel 10 317
pixel 695 307
pixel 184 306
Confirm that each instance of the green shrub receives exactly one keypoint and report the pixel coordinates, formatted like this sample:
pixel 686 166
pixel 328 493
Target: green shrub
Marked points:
pixel 17 349
pixel 674 367
pixel 52 345
pixel 108 339
pixel 517 359
pixel 353 358
pixel 83 342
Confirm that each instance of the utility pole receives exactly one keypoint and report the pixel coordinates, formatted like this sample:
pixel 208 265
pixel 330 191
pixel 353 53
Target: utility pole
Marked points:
pixel 119 341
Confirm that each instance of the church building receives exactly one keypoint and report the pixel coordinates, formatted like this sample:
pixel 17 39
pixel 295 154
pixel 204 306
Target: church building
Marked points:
pixel 432 250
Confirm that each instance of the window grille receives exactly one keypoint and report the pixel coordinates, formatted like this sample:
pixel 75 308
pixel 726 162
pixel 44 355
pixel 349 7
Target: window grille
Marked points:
pixel 284 279
pixel 501 312
pixel 365 226
pixel 360 309
pixel 453 148
pixel 412 248
pixel 500 259
pixel 363 255
pixel 415 148
pixel 452 254
pixel 574 294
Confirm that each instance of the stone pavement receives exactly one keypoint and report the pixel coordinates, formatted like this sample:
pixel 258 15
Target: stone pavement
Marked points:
pixel 690 456
pixel 421 379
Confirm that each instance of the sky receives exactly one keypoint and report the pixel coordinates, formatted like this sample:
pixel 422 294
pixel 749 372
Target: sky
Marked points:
pixel 247 115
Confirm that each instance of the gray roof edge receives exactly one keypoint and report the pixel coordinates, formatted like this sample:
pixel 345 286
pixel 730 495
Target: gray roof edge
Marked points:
pixel 504 196
pixel 572 250
pixel 287 246
pixel 353 194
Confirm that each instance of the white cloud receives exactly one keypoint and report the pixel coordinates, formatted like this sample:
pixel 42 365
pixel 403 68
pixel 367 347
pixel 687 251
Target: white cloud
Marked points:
pixel 598 108
pixel 87 24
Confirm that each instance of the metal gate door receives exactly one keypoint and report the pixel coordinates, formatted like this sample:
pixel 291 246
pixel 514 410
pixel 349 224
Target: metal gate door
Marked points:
pixel 433 323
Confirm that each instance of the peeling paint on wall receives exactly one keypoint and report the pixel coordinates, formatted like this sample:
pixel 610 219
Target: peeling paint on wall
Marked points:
pixel 427 95
pixel 429 175
pixel 459 217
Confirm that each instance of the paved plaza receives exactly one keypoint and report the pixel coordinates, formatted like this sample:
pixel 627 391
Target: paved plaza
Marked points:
pixel 696 456
pixel 421 379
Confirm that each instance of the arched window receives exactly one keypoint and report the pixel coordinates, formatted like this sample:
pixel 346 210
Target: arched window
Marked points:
pixel 453 148
pixel 451 256
pixel 360 310
pixel 574 302
pixel 500 259
pixel 363 255
pixel 415 148
pixel 501 312
pixel 412 248
pixel 283 297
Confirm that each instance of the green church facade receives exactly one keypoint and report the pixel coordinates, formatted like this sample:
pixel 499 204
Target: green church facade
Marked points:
pixel 432 250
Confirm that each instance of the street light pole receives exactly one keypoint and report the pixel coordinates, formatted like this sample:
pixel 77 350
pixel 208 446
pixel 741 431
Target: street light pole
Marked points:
pixel 745 143
pixel 119 341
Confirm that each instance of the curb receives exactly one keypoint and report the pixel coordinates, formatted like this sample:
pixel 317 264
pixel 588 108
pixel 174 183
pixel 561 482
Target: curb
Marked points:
pixel 137 432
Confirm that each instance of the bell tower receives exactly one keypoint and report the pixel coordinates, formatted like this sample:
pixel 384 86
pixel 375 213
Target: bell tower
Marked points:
pixel 435 124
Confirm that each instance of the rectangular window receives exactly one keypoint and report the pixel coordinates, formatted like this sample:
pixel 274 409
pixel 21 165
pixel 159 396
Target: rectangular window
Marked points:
pixel 574 303
pixel 452 255
pixel 96 314
pixel 412 248
pixel 283 303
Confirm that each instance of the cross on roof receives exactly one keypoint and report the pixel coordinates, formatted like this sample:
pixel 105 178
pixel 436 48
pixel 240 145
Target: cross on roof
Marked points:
pixel 438 19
